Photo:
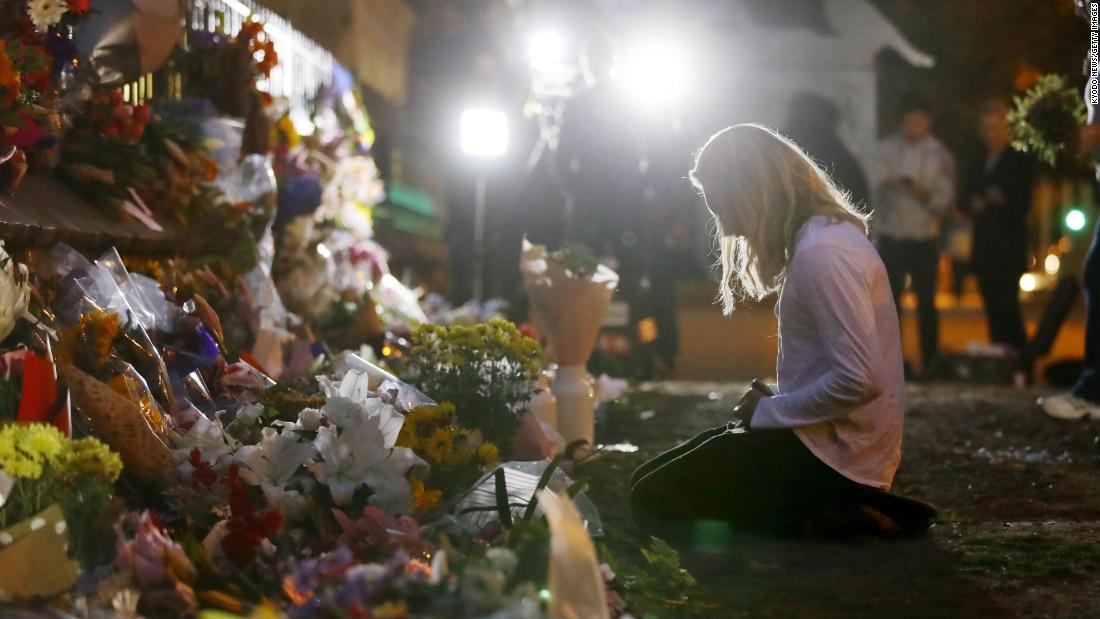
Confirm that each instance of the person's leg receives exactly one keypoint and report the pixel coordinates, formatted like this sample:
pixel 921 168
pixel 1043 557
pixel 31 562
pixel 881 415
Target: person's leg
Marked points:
pixel 764 480
pixel 1001 301
pixel 989 302
pixel 664 458
pixel 893 258
pixel 1088 385
pixel 1014 333
pixel 924 272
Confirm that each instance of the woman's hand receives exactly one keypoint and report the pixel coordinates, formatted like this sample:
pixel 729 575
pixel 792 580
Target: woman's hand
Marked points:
pixel 746 406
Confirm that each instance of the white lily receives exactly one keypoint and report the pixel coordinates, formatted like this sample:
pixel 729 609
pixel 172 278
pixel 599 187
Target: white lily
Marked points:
pixel 355 456
pixel 14 292
pixel 275 459
pixel 209 437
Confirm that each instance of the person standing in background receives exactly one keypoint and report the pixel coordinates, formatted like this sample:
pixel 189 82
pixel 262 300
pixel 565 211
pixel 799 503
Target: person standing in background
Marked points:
pixel 813 123
pixel 997 201
pixel 914 187
pixel 1083 401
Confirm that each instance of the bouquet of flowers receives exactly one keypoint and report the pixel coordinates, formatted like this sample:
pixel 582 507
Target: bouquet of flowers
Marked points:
pixel 457 455
pixel 569 292
pixel 40 468
pixel 486 371
pixel 24 83
pixel 103 157
pixel 225 70
pixel 1047 118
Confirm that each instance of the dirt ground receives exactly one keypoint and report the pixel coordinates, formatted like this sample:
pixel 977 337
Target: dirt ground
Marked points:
pixel 1018 536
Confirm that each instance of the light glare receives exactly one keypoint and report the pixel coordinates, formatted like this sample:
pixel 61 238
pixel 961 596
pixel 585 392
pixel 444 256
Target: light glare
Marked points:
pixel 657 72
pixel 484 132
pixel 1028 283
pixel 1075 220
pixel 546 49
pixel 1052 264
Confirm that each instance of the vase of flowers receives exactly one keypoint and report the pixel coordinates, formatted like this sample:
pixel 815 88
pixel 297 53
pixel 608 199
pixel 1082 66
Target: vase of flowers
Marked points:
pixel 569 292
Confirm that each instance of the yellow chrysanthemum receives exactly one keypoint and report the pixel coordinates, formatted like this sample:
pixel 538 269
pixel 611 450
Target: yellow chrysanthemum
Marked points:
pixel 23 467
pixel 459 456
pixel 42 442
pixel 488 454
pixel 88 456
pixel 438 445
pixel 406 437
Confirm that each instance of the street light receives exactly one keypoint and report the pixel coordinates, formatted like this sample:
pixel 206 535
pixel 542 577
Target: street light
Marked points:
pixel 657 71
pixel 546 49
pixel 484 134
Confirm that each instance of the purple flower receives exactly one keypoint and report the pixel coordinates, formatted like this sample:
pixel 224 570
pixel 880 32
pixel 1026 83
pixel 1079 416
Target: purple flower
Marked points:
pixel 301 195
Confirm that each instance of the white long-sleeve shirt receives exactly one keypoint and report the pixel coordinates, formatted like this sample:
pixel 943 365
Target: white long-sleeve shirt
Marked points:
pixel 898 213
pixel 841 382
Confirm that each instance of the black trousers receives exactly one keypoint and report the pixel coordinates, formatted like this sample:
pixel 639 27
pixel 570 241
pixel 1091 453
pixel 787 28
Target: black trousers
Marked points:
pixel 1088 385
pixel 764 480
pixel 1000 289
pixel 920 261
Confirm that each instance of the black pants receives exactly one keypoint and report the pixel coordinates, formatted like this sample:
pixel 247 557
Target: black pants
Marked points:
pixel 920 261
pixel 1001 298
pixel 753 479
pixel 1088 385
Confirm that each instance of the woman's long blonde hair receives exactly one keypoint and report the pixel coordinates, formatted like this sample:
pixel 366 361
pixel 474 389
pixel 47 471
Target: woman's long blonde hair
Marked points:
pixel 760 187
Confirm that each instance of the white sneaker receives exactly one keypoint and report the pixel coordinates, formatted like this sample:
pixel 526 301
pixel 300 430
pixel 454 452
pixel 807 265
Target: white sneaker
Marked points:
pixel 1068 407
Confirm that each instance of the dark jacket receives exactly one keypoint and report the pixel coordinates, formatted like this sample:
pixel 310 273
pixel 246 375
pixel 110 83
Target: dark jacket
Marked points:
pixel 1000 230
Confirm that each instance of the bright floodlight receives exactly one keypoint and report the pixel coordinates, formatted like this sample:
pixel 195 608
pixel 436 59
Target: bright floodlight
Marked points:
pixel 545 49
pixel 1028 282
pixel 657 71
pixel 484 132
pixel 1076 220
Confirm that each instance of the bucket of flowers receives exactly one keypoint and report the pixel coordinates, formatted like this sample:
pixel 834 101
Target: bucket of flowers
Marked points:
pixel 54 497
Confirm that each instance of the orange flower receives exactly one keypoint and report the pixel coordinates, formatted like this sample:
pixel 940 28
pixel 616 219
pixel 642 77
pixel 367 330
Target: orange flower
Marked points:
pixel 9 77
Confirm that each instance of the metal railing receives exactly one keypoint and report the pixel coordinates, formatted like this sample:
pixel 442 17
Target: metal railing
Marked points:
pixel 304 65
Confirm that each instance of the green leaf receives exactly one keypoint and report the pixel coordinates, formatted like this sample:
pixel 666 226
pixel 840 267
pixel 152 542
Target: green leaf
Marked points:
pixel 543 480
pixel 503 510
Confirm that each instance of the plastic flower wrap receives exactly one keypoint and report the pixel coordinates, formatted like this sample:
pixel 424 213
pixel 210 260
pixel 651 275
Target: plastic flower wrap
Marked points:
pixel 14 292
pixel 576 584
pixel 569 293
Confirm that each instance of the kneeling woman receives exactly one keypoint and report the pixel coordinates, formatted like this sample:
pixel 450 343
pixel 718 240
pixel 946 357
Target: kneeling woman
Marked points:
pixel 822 451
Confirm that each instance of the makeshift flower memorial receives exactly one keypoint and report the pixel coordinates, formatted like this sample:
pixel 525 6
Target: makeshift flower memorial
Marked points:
pixel 486 371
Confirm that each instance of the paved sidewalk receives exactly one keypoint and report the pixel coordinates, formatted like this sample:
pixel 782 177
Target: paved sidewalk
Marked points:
pixel 1019 494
